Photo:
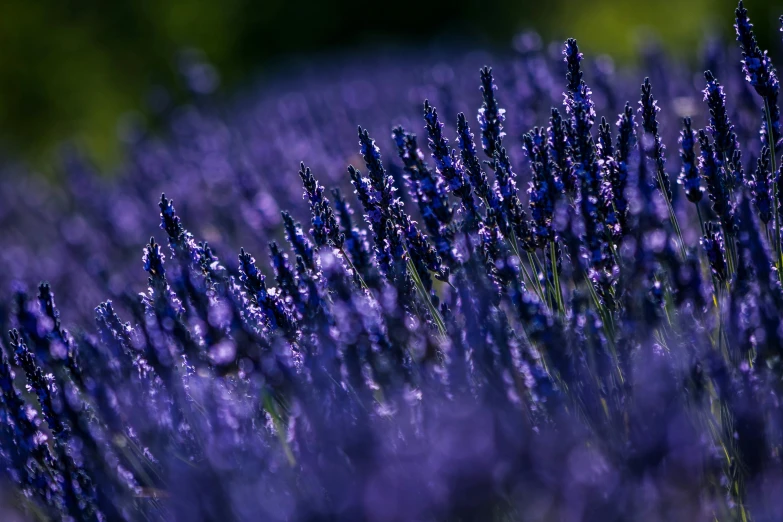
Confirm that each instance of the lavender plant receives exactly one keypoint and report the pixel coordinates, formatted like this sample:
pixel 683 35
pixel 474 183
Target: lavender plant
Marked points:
pixel 434 343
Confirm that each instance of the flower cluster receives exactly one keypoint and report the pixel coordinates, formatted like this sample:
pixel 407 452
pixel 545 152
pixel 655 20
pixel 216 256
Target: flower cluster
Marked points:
pixel 435 343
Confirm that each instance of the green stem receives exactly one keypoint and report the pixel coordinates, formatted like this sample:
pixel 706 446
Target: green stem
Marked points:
pixel 353 268
pixel 426 298
pixel 556 276
pixel 771 142
pixel 701 220
pixel 672 215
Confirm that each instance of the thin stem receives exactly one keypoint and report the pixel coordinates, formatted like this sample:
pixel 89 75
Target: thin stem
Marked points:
pixel 556 276
pixel 426 298
pixel 672 215
pixel 353 268
pixel 701 220
pixel 771 142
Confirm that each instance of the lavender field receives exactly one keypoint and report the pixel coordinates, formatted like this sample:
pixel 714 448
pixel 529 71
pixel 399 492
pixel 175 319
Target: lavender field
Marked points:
pixel 453 285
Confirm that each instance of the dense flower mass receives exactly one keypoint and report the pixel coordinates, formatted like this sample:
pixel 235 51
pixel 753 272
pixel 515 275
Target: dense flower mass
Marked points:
pixel 502 309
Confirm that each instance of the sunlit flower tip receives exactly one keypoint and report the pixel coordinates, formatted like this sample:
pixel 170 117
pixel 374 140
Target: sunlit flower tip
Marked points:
pixel 761 75
pixel 490 115
pixel 618 173
pixel 372 157
pixel 300 244
pixel 325 229
pixel 649 109
pixel 757 66
pixel 470 161
pixel 723 135
pixel 153 259
pixel 626 137
pixel 445 162
pixel 573 59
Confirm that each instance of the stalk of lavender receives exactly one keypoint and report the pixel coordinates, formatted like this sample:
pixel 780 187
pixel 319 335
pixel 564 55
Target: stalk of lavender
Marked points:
pixel 325 229
pixel 505 203
pixel 609 167
pixel 448 166
pixel 577 91
pixel 490 115
pixel 594 198
pixel 760 187
pixel 761 75
pixel 717 187
pixel 722 130
pixel 626 141
pixel 391 209
pixel 716 252
pixel 359 256
pixel 545 187
pixel 28 459
pixel 472 165
pixel 561 154
pixel 689 175
pixel 269 303
pixel 512 213
pixel 429 192
pixel 301 245
pixel 649 109
pixel 386 210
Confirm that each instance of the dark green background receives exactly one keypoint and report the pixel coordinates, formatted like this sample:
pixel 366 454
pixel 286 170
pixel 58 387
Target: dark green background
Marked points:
pixel 70 69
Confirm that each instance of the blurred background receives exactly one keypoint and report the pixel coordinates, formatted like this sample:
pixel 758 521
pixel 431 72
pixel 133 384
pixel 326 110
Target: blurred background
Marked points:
pixel 75 70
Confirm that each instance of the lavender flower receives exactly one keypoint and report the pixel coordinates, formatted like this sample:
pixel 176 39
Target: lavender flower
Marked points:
pixel 511 217
pixel 626 141
pixel 325 227
pixel 355 241
pixel 649 109
pixel 561 155
pixel 716 251
pixel 471 162
pixel 392 221
pixel 356 378
pixel 490 115
pixel 578 93
pixel 723 135
pixel 717 186
pixel 270 303
pixel 761 188
pixel 689 175
pixel 430 191
pixel 430 194
pixel 760 74
pixel 300 243
pixel 545 188
pixel 449 167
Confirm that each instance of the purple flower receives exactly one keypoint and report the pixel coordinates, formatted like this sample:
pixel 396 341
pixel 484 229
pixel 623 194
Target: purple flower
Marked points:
pixel 759 73
pixel 689 175
pixel 325 227
pixel 761 187
pixel 723 135
pixel 649 109
pixel 490 115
